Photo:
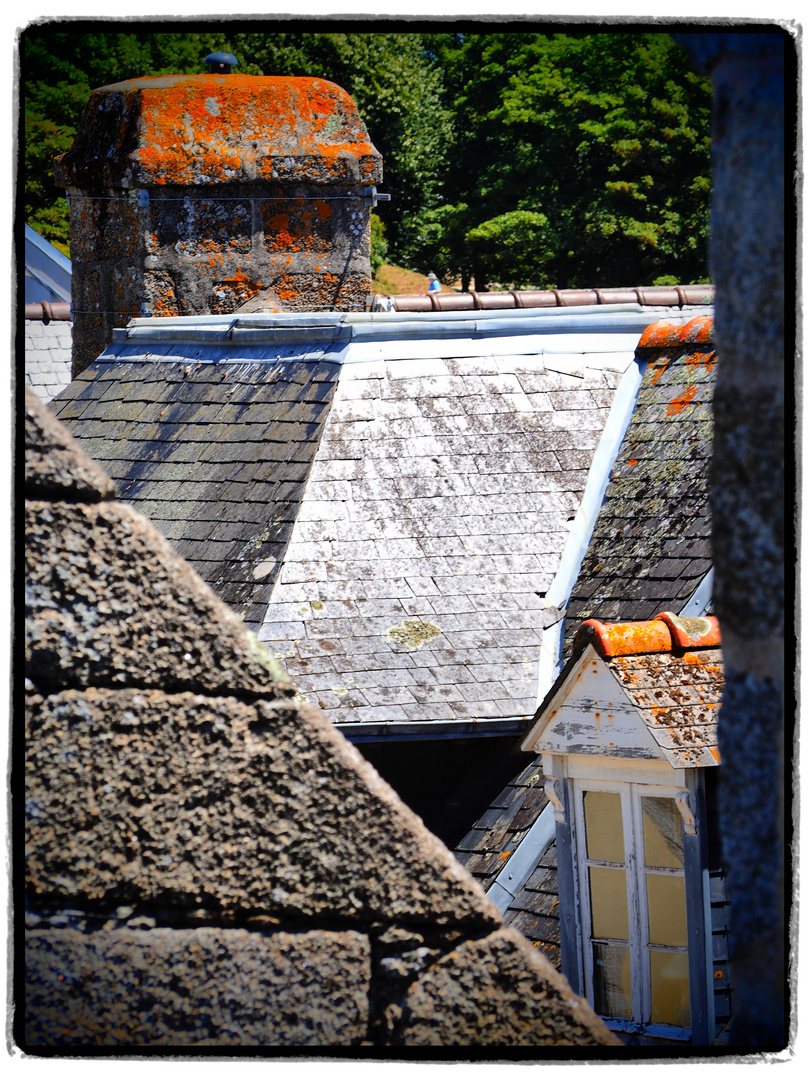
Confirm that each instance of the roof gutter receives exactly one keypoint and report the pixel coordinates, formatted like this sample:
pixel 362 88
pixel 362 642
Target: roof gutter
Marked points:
pixel 406 730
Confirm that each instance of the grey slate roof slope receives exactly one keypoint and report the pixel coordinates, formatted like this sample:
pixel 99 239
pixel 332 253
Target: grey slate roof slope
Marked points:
pixel 48 273
pixel 402 579
pixel 434 518
pixel 216 456
pixel 48 348
pixel 678 700
pixel 651 544
pixel 485 851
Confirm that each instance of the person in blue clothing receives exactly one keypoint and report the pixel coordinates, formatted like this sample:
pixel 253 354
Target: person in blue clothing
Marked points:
pixel 433 283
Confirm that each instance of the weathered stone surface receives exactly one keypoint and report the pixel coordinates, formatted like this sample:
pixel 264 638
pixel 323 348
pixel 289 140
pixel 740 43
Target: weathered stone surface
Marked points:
pixel 55 465
pixel 169 834
pixel 196 801
pixel 206 986
pixel 213 129
pixel 750 75
pixel 191 194
pixel 109 603
pixel 497 991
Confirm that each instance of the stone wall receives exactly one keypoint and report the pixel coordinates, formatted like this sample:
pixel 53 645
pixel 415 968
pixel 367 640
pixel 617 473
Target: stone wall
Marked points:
pixel 747 499
pixel 208 862
pixel 194 195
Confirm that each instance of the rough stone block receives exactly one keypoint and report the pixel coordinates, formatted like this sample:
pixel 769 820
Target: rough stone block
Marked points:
pixel 109 603
pixel 189 800
pixel 55 465
pixel 195 987
pixel 497 991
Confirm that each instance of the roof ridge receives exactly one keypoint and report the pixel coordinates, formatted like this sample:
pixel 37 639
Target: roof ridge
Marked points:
pixel 665 334
pixel 647 296
pixel 667 632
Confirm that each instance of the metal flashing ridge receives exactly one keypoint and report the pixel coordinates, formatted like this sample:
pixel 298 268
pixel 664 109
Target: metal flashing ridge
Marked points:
pixel 579 537
pixel 369 327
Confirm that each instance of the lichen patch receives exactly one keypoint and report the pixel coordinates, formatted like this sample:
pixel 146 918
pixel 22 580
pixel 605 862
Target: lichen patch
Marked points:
pixel 414 633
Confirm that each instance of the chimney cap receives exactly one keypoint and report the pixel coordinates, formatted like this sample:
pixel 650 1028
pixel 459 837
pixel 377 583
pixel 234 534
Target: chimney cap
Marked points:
pixel 220 63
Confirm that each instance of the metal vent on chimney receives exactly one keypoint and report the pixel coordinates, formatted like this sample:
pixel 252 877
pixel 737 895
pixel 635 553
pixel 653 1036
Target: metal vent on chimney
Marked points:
pixel 220 63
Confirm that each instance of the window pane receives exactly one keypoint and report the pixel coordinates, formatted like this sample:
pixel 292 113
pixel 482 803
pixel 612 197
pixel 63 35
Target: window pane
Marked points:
pixel 663 833
pixel 603 826
pixel 608 902
pixel 611 979
pixel 669 977
pixel 666 909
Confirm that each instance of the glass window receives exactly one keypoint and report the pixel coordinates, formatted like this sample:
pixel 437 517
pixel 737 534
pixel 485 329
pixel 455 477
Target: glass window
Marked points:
pixel 611 982
pixel 663 833
pixel 603 826
pixel 669 979
pixel 633 875
pixel 666 910
pixel 609 902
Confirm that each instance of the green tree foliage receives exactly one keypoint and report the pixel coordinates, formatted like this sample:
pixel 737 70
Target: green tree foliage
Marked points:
pixel 521 159
pixel 379 244
pixel 398 91
pixel 579 160
pixel 60 71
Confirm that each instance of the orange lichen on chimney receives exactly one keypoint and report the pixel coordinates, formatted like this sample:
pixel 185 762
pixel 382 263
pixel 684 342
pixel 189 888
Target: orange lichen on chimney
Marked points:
pixel 210 129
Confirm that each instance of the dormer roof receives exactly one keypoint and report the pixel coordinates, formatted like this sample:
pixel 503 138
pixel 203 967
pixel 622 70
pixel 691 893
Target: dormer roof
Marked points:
pixel 648 689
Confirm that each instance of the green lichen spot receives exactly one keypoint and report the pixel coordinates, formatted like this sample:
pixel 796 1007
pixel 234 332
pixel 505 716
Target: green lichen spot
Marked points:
pixel 317 605
pixel 413 633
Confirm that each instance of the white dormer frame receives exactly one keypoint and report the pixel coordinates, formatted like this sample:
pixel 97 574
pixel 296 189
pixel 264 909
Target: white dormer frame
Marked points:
pixel 587 743
pixel 574 775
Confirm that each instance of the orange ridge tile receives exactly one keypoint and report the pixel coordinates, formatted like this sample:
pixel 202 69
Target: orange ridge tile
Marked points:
pixel 625 639
pixel 664 334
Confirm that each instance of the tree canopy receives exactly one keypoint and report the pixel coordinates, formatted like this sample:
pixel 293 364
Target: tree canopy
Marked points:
pixel 517 159
pixel 578 160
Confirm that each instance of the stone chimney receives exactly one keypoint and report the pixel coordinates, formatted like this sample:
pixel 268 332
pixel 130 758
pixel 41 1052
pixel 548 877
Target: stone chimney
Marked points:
pixel 200 194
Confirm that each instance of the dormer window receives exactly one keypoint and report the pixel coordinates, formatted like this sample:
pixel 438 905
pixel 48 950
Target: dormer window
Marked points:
pixel 633 902
pixel 627 733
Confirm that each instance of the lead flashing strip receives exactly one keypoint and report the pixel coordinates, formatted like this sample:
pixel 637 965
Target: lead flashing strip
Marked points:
pixel 579 537
pixel 520 866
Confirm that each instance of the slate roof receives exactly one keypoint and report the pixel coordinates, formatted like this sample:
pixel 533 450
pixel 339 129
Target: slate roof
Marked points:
pixel 438 504
pixel 215 455
pixel 47 271
pixel 485 851
pixel 48 349
pixel 651 544
pixel 383 497
pixel 678 698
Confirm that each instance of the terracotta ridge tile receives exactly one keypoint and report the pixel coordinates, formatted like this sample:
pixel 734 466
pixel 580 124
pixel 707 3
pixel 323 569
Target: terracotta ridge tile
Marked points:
pixel 665 334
